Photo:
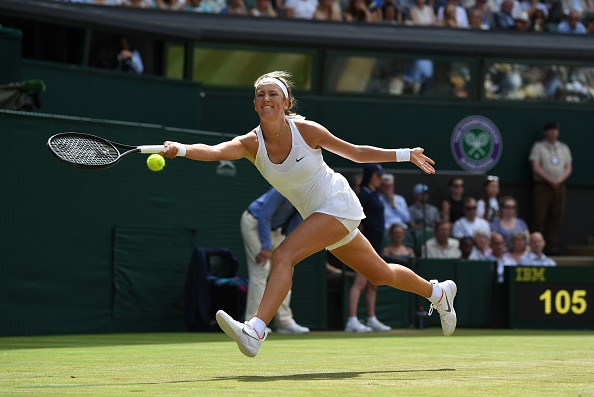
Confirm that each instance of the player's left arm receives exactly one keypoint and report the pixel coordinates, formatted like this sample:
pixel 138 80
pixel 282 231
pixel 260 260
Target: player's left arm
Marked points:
pixel 318 136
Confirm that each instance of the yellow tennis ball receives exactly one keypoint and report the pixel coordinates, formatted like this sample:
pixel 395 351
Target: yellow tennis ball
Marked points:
pixel 155 162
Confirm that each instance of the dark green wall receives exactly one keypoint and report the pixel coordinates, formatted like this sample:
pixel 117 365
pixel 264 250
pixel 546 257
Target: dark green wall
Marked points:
pixel 74 241
pixel 102 94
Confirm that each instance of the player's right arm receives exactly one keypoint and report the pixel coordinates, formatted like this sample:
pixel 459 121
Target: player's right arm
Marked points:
pixel 244 146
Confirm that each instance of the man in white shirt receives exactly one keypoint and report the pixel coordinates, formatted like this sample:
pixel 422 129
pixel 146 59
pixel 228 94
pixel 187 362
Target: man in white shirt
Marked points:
pixel 536 257
pixel 395 207
pixel 442 246
pixel 470 223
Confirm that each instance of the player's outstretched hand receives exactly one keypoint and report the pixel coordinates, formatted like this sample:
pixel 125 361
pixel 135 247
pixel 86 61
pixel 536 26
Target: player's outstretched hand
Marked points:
pixel 172 149
pixel 420 160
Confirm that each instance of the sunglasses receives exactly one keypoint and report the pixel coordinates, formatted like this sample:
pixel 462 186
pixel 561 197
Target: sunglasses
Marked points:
pixel 470 208
pixel 509 206
pixel 457 185
pixel 493 178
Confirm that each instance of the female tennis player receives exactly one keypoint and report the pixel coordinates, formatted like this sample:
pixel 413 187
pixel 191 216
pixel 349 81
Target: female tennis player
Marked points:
pixel 287 150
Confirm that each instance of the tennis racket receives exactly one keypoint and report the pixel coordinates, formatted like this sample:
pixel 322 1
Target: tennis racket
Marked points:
pixel 90 151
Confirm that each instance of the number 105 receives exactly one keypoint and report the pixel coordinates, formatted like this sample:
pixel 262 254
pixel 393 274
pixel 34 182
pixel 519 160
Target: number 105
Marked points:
pixel 564 301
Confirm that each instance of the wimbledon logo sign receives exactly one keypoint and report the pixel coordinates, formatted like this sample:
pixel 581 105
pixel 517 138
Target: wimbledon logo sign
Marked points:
pixel 476 144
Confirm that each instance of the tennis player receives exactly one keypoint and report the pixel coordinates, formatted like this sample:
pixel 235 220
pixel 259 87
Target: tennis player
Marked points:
pixel 287 150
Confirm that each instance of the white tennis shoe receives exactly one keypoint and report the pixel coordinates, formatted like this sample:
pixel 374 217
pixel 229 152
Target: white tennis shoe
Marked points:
pixel 243 334
pixel 445 306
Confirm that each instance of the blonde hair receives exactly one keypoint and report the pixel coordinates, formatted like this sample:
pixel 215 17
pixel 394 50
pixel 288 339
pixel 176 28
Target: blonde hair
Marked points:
pixel 285 78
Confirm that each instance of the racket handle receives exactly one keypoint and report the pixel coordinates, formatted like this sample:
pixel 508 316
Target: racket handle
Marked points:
pixel 161 148
pixel 151 149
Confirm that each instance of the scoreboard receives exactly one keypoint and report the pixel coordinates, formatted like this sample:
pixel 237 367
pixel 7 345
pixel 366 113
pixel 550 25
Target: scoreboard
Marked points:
pixel 550 297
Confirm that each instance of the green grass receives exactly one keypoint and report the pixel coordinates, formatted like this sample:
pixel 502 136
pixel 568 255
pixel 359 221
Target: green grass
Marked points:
pixel 398 363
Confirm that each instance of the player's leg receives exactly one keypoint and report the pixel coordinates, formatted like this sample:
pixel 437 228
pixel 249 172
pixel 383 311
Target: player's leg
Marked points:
pixel 312 235
pixel 359 255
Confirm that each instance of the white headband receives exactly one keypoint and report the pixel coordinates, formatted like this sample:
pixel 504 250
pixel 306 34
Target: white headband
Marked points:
pixel 274 80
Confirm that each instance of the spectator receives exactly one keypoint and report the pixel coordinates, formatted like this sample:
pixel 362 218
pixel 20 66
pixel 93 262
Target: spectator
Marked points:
pixel 358 11
pixel 372 227
pixel 235 7
pixel 422 214
pixel 504 19
pixel 172 5
pixel 128 58
pixel 452 208
pixel 538 21
pixel 531 6
pixel 262 8
pixel 418 76
pixel 581 6
pixel 262 230
pixel 391 15
pixel 476 20
pixel 448 17
pixel 421 14
pixel 395 206
pixel 442 245
pixel 535 257
pixel 499 255
pixel 204 6
pixel 481 249
pixel 139 4
pixel 466 247
pixel 300 9
pixel 498 251
pixel 459 13
pixel 488 206
pixel 467 225
pixel 572 24
pixel 328 10
pixel 551 166
pixel 521 22
pixel 486 13
pixel 508 221
pixel 396 248
pixel 516 247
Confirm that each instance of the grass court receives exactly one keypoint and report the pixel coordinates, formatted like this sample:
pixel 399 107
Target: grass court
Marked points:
pixel 401 362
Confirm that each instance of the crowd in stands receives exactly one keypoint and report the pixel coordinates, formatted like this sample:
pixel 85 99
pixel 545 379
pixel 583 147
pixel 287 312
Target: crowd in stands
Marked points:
pixel 489 228
pixel 562 16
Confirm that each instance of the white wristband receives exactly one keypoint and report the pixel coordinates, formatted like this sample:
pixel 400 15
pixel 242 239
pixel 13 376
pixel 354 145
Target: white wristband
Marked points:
pixel 181 149
pixel 402 155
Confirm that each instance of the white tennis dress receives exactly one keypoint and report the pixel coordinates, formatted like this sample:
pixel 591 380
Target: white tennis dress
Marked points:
pixel 307 181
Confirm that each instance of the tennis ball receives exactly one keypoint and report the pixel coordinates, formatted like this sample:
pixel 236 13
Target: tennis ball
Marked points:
pixel 155 162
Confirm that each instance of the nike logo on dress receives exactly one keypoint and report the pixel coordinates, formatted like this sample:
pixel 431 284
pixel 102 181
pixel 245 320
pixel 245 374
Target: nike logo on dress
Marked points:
pixel 298 160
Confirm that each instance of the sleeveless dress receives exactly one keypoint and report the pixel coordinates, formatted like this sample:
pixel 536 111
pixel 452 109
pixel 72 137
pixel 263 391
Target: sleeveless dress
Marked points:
pixel 307 181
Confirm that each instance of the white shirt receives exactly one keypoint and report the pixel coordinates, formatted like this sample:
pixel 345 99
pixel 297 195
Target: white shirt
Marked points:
pixel 530 259
pixel 464 228
pixel 481 207
pixel 432 249
pixel 302 9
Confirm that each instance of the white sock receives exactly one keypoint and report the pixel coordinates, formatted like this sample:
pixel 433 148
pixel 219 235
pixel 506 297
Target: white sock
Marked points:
pixel 353 319
pixel 436 295
pixel 259 326
pixel 372 318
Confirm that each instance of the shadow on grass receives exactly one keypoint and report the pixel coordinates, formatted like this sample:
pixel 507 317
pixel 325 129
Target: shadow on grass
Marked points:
pixel 320 375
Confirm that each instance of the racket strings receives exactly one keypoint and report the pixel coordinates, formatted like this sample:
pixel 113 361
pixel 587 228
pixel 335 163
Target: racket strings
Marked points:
pixel 83 150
